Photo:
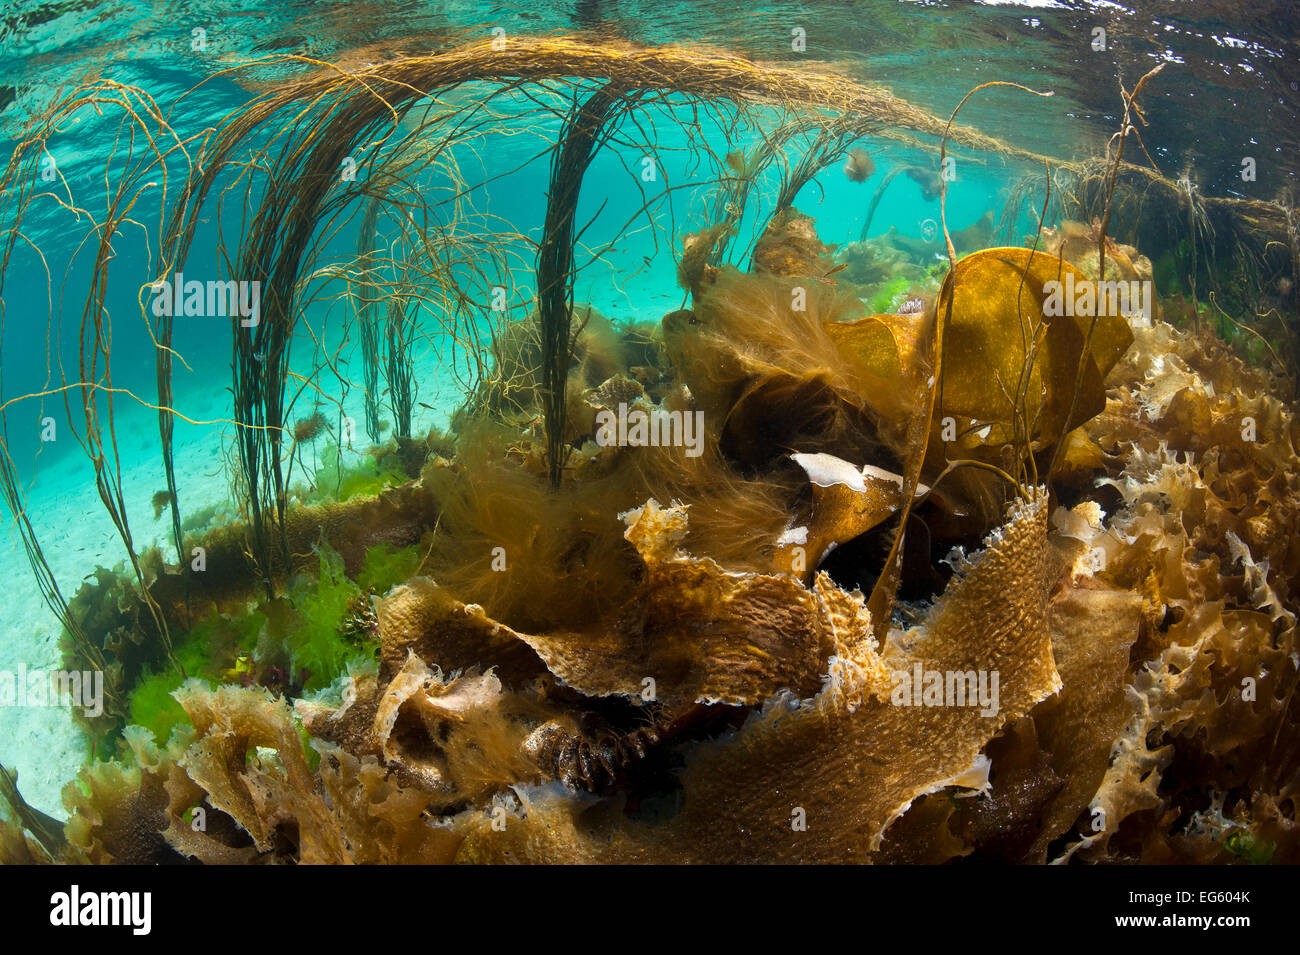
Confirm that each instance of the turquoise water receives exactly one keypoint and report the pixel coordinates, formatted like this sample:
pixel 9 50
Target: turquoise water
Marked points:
pixel 1229 91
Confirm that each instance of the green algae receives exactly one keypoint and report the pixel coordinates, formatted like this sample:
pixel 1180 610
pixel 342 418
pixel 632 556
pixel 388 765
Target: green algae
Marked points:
pixel 320 646
pixel 883 300
pixel 336 480
pixel 305 642
pixel 385 566
pixel 151 705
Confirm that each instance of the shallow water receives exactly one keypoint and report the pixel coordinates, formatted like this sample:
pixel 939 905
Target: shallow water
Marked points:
pixel 1218 122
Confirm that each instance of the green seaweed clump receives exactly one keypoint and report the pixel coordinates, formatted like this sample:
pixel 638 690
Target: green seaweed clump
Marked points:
pixel 335 480
pixel 321 643
pixel 212 649
pixel 152 706
pixel 297 645
pixel 385 566
pixel 883 300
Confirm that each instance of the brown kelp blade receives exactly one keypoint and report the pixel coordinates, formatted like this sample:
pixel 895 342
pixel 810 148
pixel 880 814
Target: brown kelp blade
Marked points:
pixel 872 345
pixel 1011 352
pixel 847 501
pixel 1004 365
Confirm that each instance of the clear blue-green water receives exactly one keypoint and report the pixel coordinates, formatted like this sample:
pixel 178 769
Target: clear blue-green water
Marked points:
pixel 1230 91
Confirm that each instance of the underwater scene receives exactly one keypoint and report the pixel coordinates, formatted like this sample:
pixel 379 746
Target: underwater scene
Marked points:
pixel 591 432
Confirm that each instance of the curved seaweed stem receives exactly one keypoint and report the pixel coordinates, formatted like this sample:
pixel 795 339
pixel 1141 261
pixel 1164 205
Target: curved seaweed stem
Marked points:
pixel 364 300
pixel 881 601
pixel 943 155
pixel 875 200
pixel 1084 355
pixel 141 154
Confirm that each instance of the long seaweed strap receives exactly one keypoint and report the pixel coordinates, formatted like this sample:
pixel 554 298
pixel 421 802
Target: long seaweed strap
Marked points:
pixel 578 143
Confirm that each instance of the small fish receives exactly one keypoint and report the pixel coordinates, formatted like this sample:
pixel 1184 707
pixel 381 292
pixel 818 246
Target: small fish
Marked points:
pixel 736 163
pixel 839 268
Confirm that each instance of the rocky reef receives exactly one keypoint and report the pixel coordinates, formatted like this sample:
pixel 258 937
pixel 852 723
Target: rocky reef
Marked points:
pixel 745 648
